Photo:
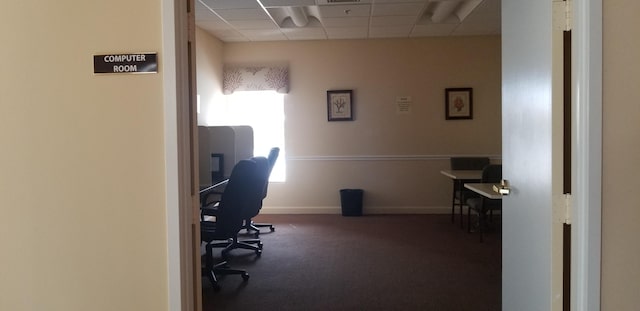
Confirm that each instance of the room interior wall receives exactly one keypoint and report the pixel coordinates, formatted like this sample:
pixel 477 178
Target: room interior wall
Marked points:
pixel 208 73
pixel 395 158
pixel 621 151
pixel 82 210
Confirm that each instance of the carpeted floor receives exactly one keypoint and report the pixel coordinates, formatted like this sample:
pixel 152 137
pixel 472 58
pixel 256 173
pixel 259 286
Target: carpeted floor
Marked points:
pixel 373 262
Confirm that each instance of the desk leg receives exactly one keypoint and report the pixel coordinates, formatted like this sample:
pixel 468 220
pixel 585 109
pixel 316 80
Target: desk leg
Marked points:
pixel 453 201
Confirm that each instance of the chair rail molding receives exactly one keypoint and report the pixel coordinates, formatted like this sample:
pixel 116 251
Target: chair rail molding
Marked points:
pixel 418 157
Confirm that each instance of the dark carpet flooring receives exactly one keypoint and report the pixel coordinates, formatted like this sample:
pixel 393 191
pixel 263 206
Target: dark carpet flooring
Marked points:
pixel 373 262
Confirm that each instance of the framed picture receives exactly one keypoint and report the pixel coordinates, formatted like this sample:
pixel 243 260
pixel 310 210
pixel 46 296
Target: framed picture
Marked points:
pixel 459 103
pixel 340 105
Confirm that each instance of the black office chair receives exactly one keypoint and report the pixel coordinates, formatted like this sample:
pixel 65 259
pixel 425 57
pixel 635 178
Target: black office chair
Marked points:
pixel 240 193
pixel 460 193
pixel 249 225
pixel 481 205
pixel 252 208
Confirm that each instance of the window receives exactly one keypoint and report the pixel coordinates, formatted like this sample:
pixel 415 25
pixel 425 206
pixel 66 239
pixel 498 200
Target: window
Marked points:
pixel 264 112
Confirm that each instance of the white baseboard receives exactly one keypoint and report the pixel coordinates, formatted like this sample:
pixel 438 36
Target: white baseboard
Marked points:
pixel 366 210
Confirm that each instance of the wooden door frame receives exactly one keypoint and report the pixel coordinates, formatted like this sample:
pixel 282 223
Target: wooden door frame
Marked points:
pixel 180 138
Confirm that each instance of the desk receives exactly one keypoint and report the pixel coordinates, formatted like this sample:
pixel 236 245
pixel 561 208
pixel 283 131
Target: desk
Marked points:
pixel 205 190
pixel 460 177
pixel 484 189
pixel 490 201
pixel 463 174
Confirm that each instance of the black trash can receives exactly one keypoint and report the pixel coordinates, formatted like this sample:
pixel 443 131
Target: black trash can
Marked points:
pixel 351 201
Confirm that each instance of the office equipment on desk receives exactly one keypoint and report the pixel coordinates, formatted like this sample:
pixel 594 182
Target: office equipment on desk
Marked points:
pixel 216 166
pixel 489 199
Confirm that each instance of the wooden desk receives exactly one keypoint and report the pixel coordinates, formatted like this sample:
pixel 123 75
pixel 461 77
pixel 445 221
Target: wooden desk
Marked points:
pixel 460 177
pixel 484 189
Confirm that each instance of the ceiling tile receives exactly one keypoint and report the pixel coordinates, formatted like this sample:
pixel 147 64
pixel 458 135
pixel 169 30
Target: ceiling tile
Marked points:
pixel 247 20
pixel 344 10
pixel 277 3
pixel 398 9
pixel 383 21
pixel 362 21
pixel 231 4
pixel 253 24
pixel 214 25
pixel 239 14
pixel 203 13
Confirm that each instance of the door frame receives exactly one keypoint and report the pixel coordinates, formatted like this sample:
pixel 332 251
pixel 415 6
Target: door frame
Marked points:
pixel 587 164
pixel 181 199
pixel 587 152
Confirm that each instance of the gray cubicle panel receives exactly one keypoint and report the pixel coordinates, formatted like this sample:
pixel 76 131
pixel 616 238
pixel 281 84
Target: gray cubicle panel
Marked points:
pixel 234 143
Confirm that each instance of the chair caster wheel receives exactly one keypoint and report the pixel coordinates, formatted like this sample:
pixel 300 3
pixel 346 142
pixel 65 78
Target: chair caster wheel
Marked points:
pixel 260 245
pixel 259 253
pixel 245 276
pixel 272 229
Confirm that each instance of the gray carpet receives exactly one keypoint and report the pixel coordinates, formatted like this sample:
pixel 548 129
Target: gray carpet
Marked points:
pixel 374 262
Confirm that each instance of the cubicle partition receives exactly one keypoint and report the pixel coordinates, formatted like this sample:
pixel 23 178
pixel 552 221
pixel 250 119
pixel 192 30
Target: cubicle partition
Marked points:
pixel 220 148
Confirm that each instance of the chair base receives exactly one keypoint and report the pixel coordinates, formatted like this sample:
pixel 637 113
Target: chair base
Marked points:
pixel 221 268
pixel 250 244
pixel 251 226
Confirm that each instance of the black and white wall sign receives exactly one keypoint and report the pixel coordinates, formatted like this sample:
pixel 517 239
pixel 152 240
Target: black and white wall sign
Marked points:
pixel 125 63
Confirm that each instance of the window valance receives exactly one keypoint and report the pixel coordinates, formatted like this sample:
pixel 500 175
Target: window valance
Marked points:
pixel 255 78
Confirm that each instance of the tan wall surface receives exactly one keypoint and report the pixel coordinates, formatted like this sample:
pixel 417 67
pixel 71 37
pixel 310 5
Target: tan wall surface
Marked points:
pixel 82 211
pixel 378 71
pixel 209 72
pixel 621 151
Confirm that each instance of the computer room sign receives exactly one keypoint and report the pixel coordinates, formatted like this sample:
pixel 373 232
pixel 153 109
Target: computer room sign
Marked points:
pixel 125 63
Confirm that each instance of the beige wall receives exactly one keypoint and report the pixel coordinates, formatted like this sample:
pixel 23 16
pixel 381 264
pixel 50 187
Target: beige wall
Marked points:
pixel 395 158
pixel 621 151
pixel 82 211
pixel 209 72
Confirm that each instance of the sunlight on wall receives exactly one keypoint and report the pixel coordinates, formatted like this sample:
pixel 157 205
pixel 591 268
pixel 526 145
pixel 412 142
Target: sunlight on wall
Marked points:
pixel 264 112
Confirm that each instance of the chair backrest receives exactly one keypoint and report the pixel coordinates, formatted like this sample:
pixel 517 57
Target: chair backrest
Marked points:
pixel 239 196
pixel 469 163
pixel 263 173
pixel 492 173
pixel 272 157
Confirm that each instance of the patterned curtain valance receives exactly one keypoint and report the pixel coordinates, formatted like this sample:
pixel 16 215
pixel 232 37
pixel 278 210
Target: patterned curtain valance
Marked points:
pixel 255 78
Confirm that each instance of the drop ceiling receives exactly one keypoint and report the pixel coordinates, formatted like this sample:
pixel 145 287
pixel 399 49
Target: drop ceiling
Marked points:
pixel 276 20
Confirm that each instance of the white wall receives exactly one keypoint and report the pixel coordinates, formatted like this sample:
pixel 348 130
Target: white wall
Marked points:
pixel 82 210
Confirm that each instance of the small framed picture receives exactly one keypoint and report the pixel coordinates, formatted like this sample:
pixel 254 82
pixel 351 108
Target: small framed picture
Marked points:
pixel 340 105
pixel 458 103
